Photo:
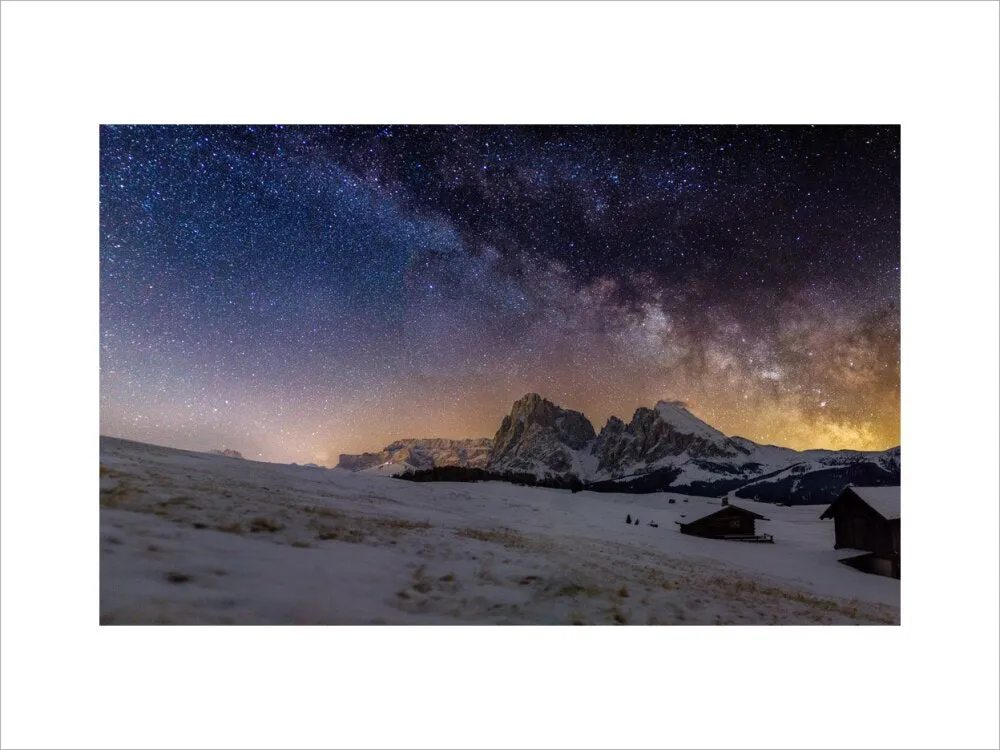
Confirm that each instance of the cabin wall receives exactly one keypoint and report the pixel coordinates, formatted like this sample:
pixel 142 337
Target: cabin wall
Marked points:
pixel 724 525
pixel 842 532
pixel 859 527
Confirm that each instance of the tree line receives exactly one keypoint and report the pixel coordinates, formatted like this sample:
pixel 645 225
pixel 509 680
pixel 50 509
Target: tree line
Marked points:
pixel 468 474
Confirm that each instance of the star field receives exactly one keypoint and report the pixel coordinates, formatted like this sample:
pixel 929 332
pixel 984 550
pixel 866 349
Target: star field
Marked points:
pixel 299 292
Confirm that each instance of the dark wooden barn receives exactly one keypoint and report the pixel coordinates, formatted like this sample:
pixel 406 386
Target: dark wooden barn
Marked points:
pixel 729 522
pixel 867 519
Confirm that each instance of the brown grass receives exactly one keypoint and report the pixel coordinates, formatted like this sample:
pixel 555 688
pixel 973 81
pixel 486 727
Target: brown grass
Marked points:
pixel 107 471
pixel 656 578
pixel 182 501
pixel 115 497
pixel 318 510
pixel 745 590
pixel 262 524
pixel 339 526
pixel 396 524
pixel 341 534
pixel 507 538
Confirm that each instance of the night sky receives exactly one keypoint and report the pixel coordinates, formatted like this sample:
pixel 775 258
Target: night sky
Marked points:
pixel 299 292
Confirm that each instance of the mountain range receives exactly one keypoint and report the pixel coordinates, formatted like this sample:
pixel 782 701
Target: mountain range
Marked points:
pixel 662 448
pixel 417 454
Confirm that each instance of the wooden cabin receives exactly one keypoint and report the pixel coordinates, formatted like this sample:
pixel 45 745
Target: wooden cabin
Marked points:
pixel 729 522
pixel 867 520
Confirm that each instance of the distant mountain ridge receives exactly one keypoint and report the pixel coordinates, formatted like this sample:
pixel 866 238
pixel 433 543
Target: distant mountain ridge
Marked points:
pixel 421 453
pixel 228 452
pixel 663 448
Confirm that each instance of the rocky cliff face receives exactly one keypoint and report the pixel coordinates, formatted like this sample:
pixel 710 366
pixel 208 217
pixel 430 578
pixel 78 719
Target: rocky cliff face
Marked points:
pixel 540 437
pixel 666 430
pixel 425 453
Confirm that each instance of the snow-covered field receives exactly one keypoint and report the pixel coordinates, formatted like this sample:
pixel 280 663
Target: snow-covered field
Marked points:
pixel 194 538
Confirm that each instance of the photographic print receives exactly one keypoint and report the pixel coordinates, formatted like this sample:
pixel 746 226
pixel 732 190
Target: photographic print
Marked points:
pixel 490 375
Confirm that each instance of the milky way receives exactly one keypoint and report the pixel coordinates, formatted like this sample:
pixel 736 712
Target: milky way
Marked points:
pixel 298 292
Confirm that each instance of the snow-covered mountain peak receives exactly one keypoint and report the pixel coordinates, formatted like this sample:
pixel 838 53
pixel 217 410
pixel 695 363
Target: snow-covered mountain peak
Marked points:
pixel 675 414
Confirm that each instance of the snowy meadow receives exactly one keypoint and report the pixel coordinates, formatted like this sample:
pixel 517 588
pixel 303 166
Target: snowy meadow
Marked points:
pixel 195 538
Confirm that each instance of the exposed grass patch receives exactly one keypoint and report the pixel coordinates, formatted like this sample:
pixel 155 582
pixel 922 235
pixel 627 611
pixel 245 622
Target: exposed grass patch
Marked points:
pixel 619 617
pixel 356 529
pixel 300 544
pixel 396 524
pixel 175 577
pixel 654 577
pixel 623 592
pixel 354 536
pixel 505 537
pixel 231 528
pixel 447 578
pixel 575 618
pixel 743 589
pixel 575 589
pixel 115 497
pixel 318 510
pixel 262 524
pixel 181 501
pixel 420 582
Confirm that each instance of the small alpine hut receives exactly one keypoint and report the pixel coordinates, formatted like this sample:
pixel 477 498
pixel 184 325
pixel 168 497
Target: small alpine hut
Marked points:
pixel 729 522
pixel 866 521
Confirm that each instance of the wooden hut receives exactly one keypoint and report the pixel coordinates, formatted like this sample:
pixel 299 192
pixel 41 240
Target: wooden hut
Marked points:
pixel 729 522
pixel 867 520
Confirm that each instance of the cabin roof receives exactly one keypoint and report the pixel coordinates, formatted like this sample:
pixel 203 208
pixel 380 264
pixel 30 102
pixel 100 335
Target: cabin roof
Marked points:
pixel 723 509
pixel 883 500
